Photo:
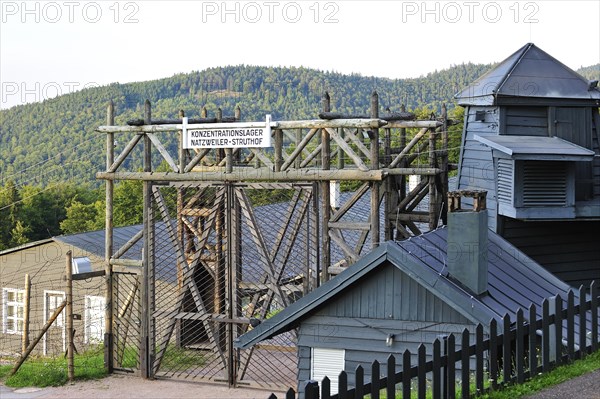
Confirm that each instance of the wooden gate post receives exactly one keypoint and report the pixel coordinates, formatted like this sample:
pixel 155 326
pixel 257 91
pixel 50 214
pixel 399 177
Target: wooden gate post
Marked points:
pixel 375 166
pixel 69 307
pixel 108 245
pixel 325 196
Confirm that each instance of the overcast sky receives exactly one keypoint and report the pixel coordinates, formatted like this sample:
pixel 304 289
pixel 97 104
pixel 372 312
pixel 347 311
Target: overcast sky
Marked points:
pixel 55 47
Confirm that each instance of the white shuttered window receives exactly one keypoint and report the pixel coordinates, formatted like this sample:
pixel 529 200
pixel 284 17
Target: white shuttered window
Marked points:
pixel 327 363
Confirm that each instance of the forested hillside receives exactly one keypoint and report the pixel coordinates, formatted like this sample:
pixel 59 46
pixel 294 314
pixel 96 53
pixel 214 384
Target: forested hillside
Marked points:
pixel 49 152
pixel 55 140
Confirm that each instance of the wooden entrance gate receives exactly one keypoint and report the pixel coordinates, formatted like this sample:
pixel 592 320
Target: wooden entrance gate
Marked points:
pixel 236 255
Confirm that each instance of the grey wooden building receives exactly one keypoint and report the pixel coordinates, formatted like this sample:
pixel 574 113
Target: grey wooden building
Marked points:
pixel 406 293
pixel 531 139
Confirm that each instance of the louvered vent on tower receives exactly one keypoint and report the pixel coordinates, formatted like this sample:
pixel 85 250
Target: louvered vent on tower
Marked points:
pixel 544 183
pixel 506 178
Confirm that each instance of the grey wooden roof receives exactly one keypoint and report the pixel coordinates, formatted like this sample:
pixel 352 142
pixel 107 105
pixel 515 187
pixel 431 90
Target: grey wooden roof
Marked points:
pixel 514 281
pixel 93 241
pixel 528 73
pixel 537 148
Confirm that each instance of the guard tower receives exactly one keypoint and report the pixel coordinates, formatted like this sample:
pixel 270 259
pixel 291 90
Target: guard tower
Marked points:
pixel 531 139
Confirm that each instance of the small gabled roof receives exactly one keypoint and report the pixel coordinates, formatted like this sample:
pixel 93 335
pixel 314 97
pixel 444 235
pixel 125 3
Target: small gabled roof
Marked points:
pixel 537 148
pixel 528 73
pixel 514 281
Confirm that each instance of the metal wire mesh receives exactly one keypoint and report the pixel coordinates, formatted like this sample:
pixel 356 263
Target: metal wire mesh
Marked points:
pixel 44 262
pixel 238 252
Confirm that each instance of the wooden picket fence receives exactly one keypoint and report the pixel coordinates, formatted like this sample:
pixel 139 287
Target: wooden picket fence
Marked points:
pixel 555 338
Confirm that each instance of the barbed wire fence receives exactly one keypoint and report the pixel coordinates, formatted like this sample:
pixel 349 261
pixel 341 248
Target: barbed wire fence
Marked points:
pixel 34 286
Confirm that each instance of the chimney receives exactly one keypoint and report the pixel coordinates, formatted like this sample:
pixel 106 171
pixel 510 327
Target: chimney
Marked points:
pixel 468 240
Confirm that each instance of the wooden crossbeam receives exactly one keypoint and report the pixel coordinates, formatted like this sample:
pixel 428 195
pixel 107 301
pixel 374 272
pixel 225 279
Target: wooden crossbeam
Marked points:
pixel 163 152
pixel 341 142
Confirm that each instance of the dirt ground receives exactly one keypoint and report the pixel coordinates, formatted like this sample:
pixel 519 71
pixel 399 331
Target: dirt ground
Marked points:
pixel 126 387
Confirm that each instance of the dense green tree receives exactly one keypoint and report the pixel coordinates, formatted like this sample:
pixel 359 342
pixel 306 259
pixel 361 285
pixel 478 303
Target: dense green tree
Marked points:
pixel 83 217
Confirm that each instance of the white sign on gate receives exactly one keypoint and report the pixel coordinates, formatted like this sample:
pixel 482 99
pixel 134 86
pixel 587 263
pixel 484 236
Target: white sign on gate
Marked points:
pixel 228 135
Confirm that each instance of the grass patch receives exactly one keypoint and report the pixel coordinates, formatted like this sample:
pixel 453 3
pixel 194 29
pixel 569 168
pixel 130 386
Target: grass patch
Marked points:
pixel 556 376
pixel 51 372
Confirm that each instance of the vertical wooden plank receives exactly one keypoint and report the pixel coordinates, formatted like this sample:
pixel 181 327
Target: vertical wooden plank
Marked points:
pixel 493 354
pixel 69 309
pixel 326 388
pixel 451 367
pixel 375 234
pixel 375 376
pixel 594 292
pixel 520 343
pixel 343 385
pixel 421 375
pixel 571 325
pixel 359 384
pixel 558 328
pixel 26 313
pixel 533 353
pixel 435 373
pixel 582 325
pixel 479 359
pixel 391 376
pixel 545 336
pixel 405 374
pixel 506 352
pixel 290 394
pixel 465 364
pixel 309 390
pixel 108 245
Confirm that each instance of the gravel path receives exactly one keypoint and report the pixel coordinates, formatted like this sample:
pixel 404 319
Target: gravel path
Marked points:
pixel 129 387
pixel 585 386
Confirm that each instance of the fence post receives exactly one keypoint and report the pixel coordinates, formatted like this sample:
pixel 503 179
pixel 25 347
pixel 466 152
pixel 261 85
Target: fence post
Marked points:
pixel 594 309
pixel 391 376
pixel 493 352
pixel 445 368
pixel 26 312
pixel 436 380
pixel 375 376
pixel 405 374
pixel 571 325
pixel 359 382
pixel 290 394
pixel 451 374
pixel 546 336
pixel 465 364
pixel 69 308
pixel 532 342
pixel 520 350
pixel 479 359
pixel 582 324
pixel 311 390
pixel 326 388
pixel 506 350
pixel 422 379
